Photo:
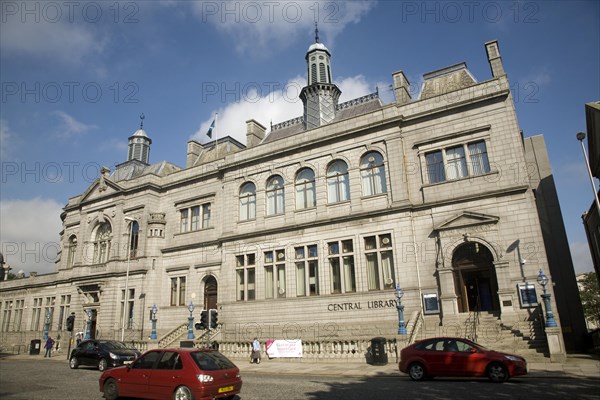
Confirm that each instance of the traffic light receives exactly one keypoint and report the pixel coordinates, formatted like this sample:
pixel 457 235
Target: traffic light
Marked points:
pixel 203 324
pixel 70 322
pixel 213 319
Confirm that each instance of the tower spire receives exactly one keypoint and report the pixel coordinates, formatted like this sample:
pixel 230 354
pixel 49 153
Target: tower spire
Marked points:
pixel 316 33
pixel 142 116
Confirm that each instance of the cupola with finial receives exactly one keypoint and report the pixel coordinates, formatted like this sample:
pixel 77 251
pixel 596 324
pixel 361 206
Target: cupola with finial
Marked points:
pixel 139 144
pixel 320 96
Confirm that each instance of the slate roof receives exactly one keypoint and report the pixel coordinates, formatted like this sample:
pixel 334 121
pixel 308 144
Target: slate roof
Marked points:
pixel 446 80
pixel 134 168
pixel 349 109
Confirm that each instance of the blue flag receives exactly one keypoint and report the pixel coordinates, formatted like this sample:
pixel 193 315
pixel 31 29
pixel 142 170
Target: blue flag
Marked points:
pixel 210 130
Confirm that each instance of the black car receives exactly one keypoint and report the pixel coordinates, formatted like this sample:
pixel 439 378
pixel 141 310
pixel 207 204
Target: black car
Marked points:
pixel 103 354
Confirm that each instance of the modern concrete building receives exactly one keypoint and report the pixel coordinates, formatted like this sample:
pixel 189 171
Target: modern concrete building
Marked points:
pixel 305 231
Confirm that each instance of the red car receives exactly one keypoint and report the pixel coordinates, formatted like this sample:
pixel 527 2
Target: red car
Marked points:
pixel 179 373
pixel 447 356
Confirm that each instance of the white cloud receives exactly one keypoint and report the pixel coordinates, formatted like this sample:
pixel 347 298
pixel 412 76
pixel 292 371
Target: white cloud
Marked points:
pixel 70 127
pixel 67 43
pixel 30 234
pixel 276 106
pixel 582 258
pixel 5 136
pixel 259 27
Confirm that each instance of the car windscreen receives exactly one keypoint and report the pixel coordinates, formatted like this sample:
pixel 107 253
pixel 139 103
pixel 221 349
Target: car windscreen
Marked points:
pixel 113 345
pixel 211 361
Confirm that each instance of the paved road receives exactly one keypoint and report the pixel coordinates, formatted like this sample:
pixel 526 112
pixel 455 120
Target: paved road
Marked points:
pixel 53 380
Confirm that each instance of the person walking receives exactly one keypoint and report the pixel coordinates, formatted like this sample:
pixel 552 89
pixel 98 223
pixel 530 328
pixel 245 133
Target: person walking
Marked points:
pixel 255 351
pixel 48 346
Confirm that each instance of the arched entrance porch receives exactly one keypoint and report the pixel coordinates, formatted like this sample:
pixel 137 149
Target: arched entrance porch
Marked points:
pixel 475 280
pixel 210 293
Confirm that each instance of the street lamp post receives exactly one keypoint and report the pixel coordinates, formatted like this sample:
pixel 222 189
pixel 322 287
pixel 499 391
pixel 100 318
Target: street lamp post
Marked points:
pixel 126 300
pixel 191 320
pixel 400 307
pixel 580 136
pixel 88 324
pixel 542 279
pixel 153 312
pixel 47 323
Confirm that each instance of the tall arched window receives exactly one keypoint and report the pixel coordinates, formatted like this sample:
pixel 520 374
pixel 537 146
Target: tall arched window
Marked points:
pixel 305 188
pixel 338 184
pixel 102 243
pixel 372 172
pixel 275 195
pixel 71 251
pixel 247 201
pixel 135 235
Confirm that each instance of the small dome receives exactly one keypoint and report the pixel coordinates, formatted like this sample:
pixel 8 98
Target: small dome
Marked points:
pixel 317 46
pixel 140 132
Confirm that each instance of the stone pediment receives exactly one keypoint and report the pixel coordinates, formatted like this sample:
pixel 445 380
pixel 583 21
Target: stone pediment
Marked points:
pixel 467 219
pixel 100 188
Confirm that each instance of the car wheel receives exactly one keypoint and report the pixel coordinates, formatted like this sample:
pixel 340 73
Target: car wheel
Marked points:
pixel 102 364
pixel 497 372
pixel 73 363
pixel 183 393
pixel 111 390
pixel 416 371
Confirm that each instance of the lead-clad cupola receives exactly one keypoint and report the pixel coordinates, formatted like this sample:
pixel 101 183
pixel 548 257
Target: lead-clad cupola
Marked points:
pixel 139 144
pixel 320 97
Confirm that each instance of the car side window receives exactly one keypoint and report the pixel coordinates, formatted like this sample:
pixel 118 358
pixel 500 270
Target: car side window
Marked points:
pixel 464 347
pixel 147 361
pixel 168 360
pixel 439 345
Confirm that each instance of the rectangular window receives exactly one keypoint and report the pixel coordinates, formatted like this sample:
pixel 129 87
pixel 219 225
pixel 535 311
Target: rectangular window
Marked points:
pixel 178 291
pixel 479 158
pixel 184 220
pixel 245 277
pixel 35 315
pixel 195 218
pixel 129 308
pixel 205 216
pixel 307 270
pixel 380 262
pixel 7 314
pixel 65 310
pixel 275 285
pixel 343 277
pixel 435 167
pixel 457 163
pixel 49 311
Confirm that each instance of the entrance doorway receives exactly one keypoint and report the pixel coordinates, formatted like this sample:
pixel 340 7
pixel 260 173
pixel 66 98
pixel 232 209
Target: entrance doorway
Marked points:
pixel 475 278
pixel 210 293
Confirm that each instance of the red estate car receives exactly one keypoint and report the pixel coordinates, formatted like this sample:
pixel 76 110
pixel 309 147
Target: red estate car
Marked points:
pixel 179 374
pixel 447 356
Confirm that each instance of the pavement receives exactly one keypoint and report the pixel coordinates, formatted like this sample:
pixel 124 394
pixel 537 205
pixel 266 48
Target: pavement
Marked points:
pixel 582 366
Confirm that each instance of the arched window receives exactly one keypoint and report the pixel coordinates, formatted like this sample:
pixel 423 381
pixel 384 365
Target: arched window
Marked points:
pixel 305 188
pixel 247 201
pixel 102 243
pixel 275 195
pixel 313 73
pixel 338 184
pixel 322 76
pixel 133 240
pixel 71 251
pixel 372 172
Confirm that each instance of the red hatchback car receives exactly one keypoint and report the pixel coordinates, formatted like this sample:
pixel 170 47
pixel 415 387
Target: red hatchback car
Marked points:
pixel 447 356
pixel 179 374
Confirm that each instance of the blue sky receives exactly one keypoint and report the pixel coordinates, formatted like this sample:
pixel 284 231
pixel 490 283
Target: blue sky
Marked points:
pixel 76 76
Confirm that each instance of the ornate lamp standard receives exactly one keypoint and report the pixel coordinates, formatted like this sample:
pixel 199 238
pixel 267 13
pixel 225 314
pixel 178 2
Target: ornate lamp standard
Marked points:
pixel 153 312
pixel 542 279
pixel 88 324
pixel 400 307
pixel 47 323
pixel 191 320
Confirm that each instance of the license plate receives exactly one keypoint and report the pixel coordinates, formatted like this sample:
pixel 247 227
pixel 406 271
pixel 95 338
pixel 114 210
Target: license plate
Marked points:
pixel 225 389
